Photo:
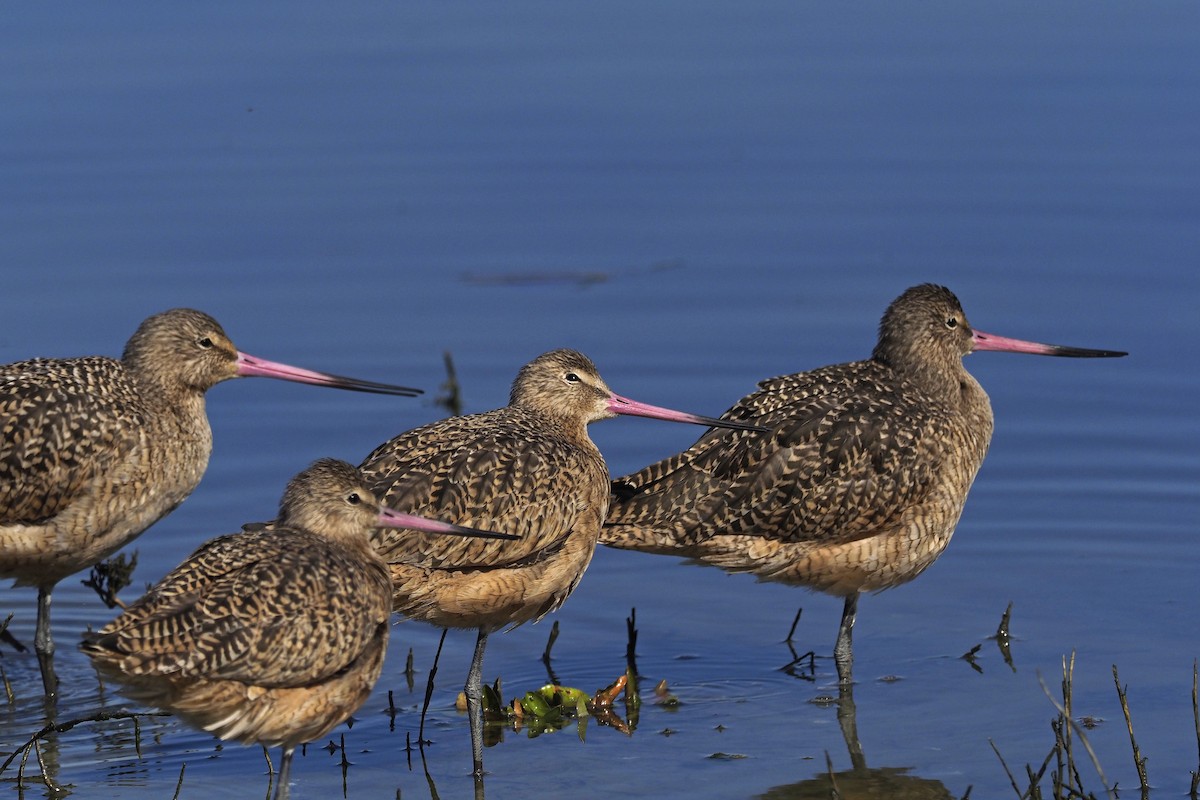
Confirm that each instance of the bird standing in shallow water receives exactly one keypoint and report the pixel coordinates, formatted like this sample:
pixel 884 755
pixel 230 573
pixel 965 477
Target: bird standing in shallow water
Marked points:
pixel 94 450
pixel 274 635
pixel 860 483
pixel 528 468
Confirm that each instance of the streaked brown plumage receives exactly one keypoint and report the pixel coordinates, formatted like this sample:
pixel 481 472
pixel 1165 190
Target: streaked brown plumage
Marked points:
pixel 95 450
pixel 862 481
pixel 528 468
pixel 274 635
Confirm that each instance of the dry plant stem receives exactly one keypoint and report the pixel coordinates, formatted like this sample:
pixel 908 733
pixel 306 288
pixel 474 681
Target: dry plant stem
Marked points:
pixel 54 788
pixel 1068 696
pixel 8 691
pixel 1196 717
pixel 834 792
pixel 63 727
pixel 1072 725
pixel 1036 778
pixel 452 399
pixel 429 690
pixel 1034 790
pixel 24 761
pixel 1066 776
pixel 179 783
pixel 1007 771
pixel 1139 760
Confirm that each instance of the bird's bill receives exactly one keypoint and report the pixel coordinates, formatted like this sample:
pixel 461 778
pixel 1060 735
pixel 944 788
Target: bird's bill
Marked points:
pixel 632 408
pixel 396 519
pixel 252 367
pixel 988 341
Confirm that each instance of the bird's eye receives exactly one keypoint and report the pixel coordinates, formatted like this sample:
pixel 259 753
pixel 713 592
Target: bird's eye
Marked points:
pixel 952 322
pixel 206 343
pixel 571 377
pixel 353 498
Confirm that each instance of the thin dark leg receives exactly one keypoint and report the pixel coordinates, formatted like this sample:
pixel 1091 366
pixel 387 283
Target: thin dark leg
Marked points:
pixel 546 654
pixel 474 692
pixel 429 688
pixel 43 642
pixel 843 651
pixel 285 769
pixel 795 622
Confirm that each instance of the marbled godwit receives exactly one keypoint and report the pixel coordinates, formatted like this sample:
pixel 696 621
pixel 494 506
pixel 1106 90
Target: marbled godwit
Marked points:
pixel 860 484
pixel 96 450
pixel 274 635
pixel 528 468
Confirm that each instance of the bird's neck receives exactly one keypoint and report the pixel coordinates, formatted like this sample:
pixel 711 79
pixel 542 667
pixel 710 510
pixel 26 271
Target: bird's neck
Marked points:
pixel 947 381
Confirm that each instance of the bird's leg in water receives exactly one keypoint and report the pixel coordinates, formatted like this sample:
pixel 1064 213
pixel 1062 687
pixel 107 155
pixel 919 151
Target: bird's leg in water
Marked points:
pixel 474 692
pixel 43 642
pixel 843 653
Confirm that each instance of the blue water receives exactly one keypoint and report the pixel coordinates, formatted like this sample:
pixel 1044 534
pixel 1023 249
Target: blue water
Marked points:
pixel 699 196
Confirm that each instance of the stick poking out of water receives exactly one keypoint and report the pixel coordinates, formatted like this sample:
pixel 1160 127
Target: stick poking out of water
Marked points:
pixel 1196 717
pixel 1139 760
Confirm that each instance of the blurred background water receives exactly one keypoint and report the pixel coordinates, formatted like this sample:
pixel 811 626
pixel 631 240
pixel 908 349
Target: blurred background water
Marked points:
pixel 699 196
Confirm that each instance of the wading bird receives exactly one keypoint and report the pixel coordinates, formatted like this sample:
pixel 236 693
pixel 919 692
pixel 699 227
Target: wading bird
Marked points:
pixel 529 469
pixel 859 483
pixel 95 450
pixel 273 635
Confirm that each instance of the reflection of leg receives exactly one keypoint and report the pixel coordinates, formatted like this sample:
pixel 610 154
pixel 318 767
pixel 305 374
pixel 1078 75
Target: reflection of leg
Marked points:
pixel 433 792
pixel 429 689
pixel 47 750
pixel 285 769
pixel 43 641
pixel 843 651
pixel 474 692
pixel 847 716
pixel 631 642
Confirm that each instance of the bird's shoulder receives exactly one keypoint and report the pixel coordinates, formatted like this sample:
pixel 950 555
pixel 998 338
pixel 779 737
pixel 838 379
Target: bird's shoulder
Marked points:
pixel 62 422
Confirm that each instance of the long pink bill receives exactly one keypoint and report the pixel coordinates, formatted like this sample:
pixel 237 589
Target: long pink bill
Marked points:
pixel 623 405
pixel 396 519
pixel 249 366
pixel 987 341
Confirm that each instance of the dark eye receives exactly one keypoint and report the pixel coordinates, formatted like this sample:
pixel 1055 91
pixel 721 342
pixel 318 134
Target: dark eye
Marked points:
pixel 353 499
pixel 952 323
pixel 571 377
pixel 206 343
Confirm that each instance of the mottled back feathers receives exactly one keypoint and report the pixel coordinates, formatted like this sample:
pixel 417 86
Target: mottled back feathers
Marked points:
pixel 62 423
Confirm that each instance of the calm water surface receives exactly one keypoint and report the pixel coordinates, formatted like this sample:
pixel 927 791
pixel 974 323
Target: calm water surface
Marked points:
pixel 698 195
